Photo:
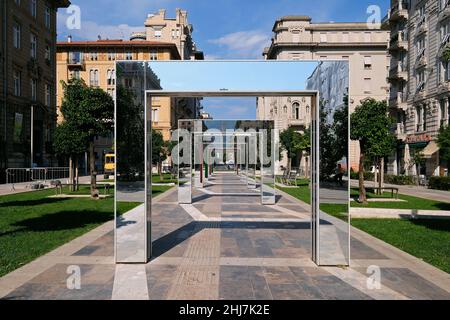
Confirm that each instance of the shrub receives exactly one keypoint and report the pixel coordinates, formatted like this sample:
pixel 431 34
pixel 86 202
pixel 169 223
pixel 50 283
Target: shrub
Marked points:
pixel 400 180
pixel 439 183
pixel 368 176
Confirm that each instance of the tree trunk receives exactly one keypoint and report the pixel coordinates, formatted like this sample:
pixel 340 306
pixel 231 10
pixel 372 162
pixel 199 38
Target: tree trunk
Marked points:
pixel 290 164
pixel 71 174
pixel 362 189
pixel 161 176
pixel 381 180
pixel 77 180
pixel 92 169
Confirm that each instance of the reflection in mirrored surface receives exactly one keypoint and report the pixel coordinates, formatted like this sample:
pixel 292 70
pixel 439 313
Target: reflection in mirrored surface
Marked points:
pixel 254 164
pixel 331 81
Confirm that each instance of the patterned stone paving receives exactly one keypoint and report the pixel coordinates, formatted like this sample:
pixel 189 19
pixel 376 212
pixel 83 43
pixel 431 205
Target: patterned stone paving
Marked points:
pixel 257 254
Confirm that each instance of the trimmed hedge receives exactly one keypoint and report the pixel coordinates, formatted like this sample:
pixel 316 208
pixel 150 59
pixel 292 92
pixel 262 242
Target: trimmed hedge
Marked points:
pixel 439 183
pixel 400 180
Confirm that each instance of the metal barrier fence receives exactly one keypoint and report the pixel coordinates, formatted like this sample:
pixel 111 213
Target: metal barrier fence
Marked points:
pixel 21 175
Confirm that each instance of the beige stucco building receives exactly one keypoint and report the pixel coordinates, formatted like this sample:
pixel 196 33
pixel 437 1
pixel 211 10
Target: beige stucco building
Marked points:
pixel 298 38
pixel 420 81
pixel 94 62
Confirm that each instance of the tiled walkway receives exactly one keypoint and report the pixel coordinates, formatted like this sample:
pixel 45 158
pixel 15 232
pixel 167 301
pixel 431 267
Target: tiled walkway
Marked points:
pixel 225 247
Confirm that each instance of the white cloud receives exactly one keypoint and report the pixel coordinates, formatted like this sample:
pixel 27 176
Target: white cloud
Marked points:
pixel 90 30
pixel 244 44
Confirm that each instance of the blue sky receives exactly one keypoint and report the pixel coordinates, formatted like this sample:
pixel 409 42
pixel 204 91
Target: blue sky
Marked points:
pixel 223 29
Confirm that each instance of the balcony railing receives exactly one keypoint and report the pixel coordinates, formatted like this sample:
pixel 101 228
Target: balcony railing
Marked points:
pixel 399 11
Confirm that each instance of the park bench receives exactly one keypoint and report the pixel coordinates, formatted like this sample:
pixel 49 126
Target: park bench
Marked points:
pixel 394 190
pixel 292 178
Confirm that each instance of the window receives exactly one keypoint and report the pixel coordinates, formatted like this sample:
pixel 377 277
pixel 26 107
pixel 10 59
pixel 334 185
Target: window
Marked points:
pixel 76 74
pixel 323 37
pixel 47 53
pixel 285 109
pixel 111 56
pixel 48 17
pixel 158 33
pixel 153 54
pixel 367 85
pixel 33 84
pixel 345 37
pixel 420 79
pixel 17 30
pixel 94 56
pixel 17 77
pixel 93 77
pixel 155 114
pixel 111 92
pixel 128 82
pixel 295 36
pixel 33 45
pixel 17 2
pixel 442 113
pixel 129 56
pixel 420 46
pixel 296 110
pixel 367 63
pixel 48 94
pixel 33 8
pixel 111 77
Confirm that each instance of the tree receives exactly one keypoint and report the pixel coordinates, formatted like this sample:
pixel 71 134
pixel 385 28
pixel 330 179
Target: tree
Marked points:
pixel 68 142
pixel 89 111
pixel 160 150
pixel 294 143
pixel 371 126
pixel 443 141
pixel 330 153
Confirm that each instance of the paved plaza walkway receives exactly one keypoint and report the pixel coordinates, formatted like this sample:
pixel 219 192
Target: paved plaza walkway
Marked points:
pixel 226 245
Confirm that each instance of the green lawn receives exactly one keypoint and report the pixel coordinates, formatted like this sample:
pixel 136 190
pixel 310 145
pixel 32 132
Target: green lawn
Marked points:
pixel 167 178
pixel 31 224
pixel 426 239
pixel 409 203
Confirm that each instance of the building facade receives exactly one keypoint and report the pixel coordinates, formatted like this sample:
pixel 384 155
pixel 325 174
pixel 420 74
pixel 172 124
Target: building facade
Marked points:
pixel 94 62
pixel 298 38
pixel 419 78
pixel 27 82
pixel 176 30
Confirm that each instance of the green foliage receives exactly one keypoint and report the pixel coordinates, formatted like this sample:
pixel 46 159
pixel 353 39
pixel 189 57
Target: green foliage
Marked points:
pixel 443 141
pixel 399 180
pixel 89 112
pixel 439 183
pixel 67 141
pixel 160 149
pixel 371 126
pixel 294 142
pixel 446 54
pixel 130 128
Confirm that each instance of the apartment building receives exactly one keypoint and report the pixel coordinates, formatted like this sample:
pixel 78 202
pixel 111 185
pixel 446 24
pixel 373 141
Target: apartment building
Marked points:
pixel 298 38
pixel 94 62
pixel 419 80
pixel 27 82
pixel 158 27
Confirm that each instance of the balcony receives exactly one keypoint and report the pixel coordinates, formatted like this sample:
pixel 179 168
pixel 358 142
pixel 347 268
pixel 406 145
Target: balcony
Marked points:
pixel 398 73
pixel 421 27
pixel 399 41
pixel 75 60
pixel 401 131
pixel 399 101
pixel 297 123
pixel 444 13
pixel 421 62
pixel 399 11
pixel 443 87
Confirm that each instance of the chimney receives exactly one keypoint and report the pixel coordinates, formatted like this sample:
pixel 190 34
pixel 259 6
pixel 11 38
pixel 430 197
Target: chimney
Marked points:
pixel 69 38
pixel 162 13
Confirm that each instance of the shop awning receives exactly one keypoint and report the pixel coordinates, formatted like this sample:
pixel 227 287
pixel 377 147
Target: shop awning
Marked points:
pixel 430 149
